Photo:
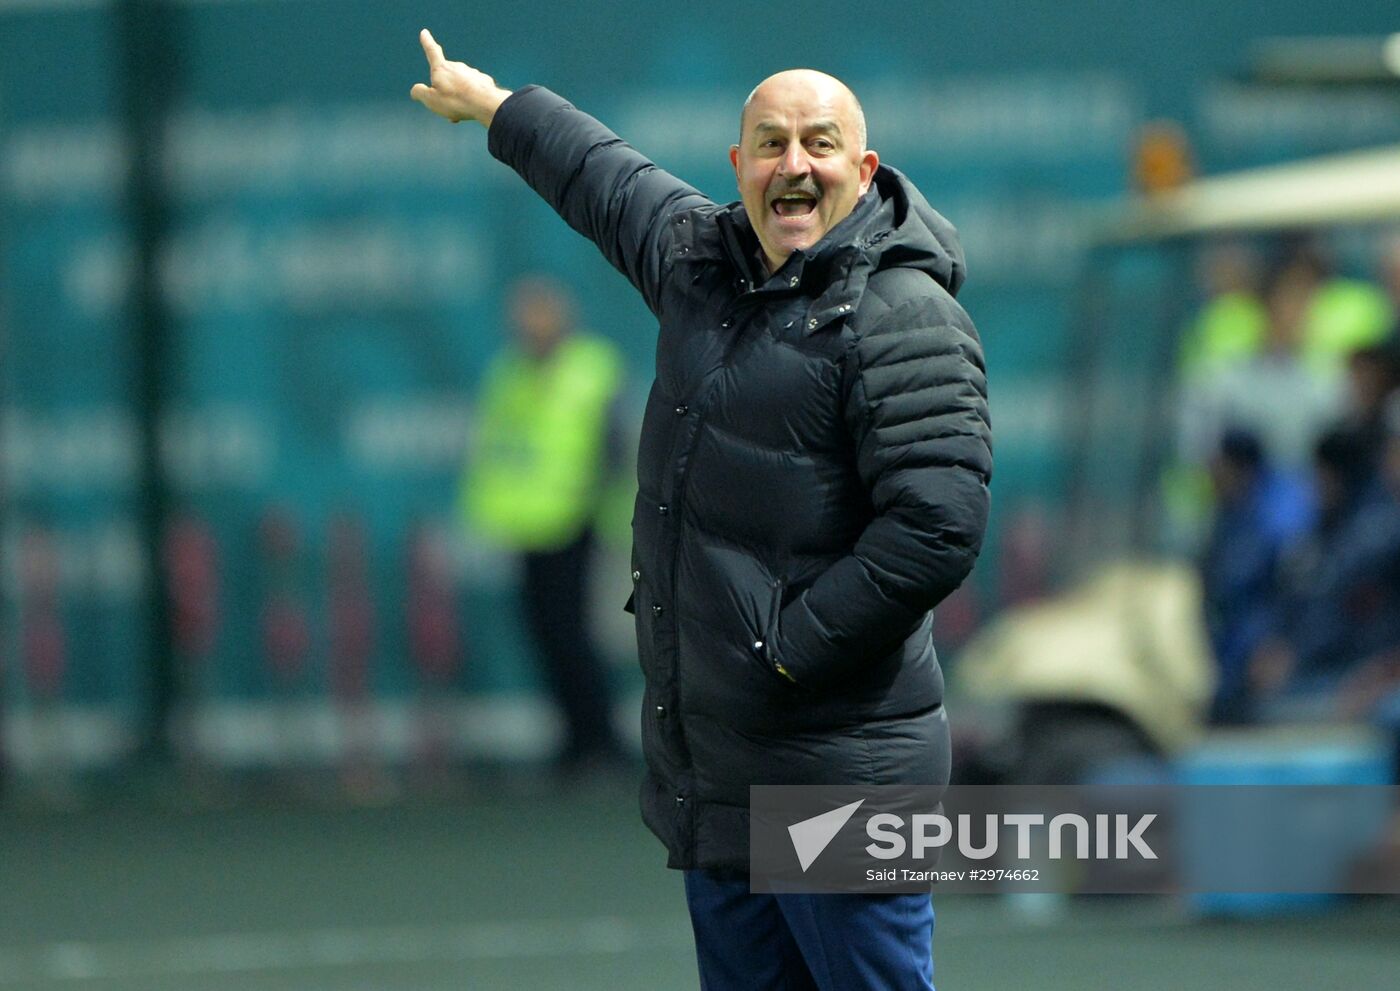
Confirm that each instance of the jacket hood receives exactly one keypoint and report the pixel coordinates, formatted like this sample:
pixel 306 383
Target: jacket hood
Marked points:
pixel 901 230
pixel 892 226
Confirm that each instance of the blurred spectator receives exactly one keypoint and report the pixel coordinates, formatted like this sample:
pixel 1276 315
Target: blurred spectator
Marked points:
pixel 1257 514
pixel 1340 595
pixel 1341 315
pixel 1273 393
pixel 546 445
pixel 1229 330
pixel 1373 374
pixel 1365 691
pixel 1231 326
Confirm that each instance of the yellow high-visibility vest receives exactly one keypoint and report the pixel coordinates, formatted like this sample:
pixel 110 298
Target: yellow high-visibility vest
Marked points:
pixel 1343 316
pixel 534 479
pixel 1230 328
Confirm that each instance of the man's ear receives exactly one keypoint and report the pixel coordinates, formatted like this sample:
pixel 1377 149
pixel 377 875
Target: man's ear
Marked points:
pixel 734 160
pixel 869 162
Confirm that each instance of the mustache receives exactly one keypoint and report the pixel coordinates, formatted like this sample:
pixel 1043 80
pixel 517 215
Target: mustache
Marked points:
pixel 807 186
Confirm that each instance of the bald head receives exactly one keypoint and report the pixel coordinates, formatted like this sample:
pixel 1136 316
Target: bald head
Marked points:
pixel 782 85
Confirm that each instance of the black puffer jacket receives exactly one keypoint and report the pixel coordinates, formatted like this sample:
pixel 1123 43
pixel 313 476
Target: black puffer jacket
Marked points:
pixel 813 479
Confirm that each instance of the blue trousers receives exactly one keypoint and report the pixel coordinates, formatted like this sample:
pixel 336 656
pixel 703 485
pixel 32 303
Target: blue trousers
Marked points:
pixel 748 942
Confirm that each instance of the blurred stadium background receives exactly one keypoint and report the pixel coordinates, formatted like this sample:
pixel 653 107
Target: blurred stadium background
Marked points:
pixel 267 716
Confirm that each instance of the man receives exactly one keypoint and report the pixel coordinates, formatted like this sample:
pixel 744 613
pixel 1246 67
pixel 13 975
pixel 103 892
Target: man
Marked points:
pixel 1338 587
pixel 812 480
pixel 1259 513
pixel 534 484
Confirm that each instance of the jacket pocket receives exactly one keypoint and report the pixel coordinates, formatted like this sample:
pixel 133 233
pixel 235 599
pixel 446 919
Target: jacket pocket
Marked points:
pixel 764 649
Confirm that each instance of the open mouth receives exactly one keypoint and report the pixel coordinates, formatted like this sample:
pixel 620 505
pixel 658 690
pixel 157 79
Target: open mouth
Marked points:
pixel 795 205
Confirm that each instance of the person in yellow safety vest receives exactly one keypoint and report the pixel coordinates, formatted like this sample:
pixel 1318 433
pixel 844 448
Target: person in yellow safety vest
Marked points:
pixel 1231 325
pixel 546 444
pixel 1343 314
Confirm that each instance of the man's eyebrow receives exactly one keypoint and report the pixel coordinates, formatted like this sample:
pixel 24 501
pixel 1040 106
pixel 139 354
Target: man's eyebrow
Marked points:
pixel 827 126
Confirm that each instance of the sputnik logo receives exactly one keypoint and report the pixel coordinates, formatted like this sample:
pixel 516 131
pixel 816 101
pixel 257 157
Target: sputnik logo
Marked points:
pixel 811 836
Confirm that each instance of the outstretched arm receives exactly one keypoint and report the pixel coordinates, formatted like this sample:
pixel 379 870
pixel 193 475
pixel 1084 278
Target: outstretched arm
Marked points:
pixel 456 91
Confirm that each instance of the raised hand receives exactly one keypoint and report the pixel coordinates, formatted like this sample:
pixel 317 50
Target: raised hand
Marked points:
pixel 456 91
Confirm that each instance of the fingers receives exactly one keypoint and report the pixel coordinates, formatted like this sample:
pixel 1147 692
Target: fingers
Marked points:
pixel 429 97
pixel 432 99
pixel 431 49
pixel 425 94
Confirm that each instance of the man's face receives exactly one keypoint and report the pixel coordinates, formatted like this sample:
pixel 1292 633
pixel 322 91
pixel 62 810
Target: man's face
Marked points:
pixel 800 161
pixel 540 315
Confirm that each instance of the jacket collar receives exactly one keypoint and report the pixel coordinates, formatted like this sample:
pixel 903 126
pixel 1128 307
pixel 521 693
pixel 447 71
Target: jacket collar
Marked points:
pixel 835 269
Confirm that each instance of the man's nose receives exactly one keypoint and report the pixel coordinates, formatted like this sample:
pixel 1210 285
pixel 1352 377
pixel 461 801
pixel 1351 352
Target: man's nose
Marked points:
pixel 795 161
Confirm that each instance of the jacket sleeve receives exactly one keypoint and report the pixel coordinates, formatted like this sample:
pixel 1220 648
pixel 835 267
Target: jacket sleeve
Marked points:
pixel 600 185
pixel 917 410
